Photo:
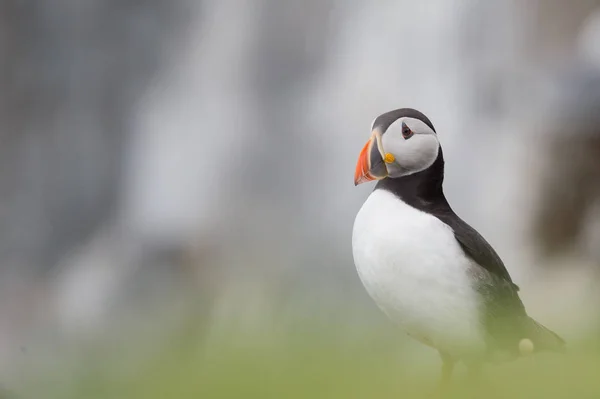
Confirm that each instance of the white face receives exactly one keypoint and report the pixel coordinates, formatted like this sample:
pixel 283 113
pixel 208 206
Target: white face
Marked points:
pixel 413 144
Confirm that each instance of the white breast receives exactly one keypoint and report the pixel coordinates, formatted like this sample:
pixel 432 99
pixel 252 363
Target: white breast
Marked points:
pixel 413 267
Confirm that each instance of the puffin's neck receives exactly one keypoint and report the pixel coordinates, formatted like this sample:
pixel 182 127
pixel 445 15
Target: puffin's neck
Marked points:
pixel 422 189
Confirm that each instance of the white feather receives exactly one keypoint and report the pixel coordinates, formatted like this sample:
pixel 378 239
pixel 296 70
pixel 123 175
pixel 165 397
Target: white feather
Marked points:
pixel 413 267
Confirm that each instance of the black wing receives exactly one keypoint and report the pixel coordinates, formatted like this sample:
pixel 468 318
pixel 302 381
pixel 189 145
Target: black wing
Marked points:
pixel 504 317
pixel 477 248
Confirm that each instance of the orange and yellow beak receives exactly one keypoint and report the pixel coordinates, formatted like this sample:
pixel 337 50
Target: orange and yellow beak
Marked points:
pixel 370 165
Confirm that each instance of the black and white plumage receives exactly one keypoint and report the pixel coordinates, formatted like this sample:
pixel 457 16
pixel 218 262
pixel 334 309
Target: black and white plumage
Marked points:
pixel 427 269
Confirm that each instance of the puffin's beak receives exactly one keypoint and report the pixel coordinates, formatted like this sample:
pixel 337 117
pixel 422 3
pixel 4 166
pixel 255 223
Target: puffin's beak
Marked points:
pixel 370 165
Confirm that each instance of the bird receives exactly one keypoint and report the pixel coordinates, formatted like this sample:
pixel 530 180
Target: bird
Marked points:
pixel 429 271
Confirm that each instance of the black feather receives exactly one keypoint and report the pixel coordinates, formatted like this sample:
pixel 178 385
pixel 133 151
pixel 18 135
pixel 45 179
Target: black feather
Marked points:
pixel 384 121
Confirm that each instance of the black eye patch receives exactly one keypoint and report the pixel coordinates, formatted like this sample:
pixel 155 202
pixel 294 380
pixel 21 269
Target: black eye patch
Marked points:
pixel 406 132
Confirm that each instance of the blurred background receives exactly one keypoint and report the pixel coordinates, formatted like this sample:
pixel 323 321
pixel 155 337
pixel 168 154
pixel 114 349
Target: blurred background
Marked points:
pixel 176 183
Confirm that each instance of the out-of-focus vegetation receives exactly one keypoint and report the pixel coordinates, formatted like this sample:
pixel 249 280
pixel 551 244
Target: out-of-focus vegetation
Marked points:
pixel 311 360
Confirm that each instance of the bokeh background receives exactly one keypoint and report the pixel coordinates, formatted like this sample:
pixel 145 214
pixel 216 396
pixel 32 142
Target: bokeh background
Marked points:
pixel 177 198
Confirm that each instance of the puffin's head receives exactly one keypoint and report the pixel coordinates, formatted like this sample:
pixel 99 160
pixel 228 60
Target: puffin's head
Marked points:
pixel 402 142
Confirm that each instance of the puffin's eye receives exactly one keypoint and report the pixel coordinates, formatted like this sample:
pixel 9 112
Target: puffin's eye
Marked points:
pixel 406 132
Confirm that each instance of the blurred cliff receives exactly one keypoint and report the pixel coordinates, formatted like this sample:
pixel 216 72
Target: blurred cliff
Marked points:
pixel 194 160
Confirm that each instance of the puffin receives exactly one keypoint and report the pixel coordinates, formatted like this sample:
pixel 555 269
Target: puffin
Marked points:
pixel 429 271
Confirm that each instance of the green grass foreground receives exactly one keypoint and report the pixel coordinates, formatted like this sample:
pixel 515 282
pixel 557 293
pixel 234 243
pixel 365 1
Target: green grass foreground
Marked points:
pixel 316 363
